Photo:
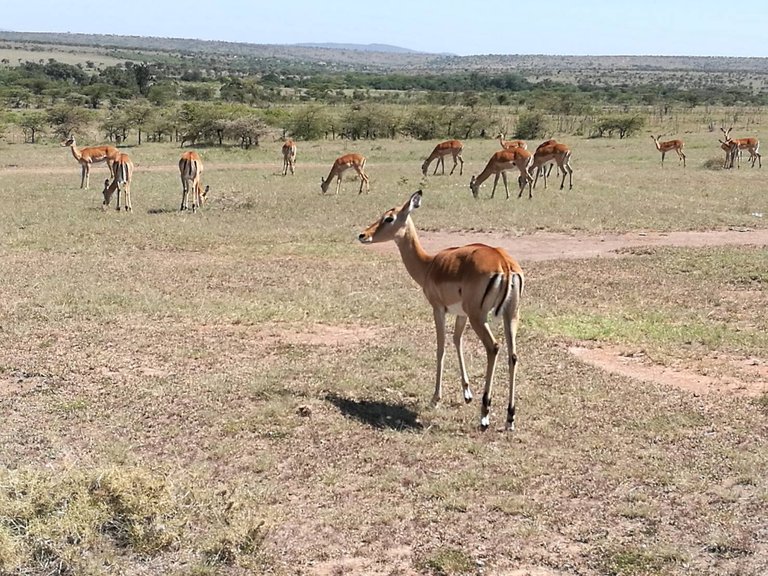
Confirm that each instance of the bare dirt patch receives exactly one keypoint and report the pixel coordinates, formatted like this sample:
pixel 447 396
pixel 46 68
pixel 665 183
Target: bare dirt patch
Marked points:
pixel 617 360
pixel 555 246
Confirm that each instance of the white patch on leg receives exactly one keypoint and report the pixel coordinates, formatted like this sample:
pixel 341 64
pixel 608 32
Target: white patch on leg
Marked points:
pixel 467 395
pixel 485 421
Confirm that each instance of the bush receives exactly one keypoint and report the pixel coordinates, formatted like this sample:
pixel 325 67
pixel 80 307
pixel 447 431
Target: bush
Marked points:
pixel 530 126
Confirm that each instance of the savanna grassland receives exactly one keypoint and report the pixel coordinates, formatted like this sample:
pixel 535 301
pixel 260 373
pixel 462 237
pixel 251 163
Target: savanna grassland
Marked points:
pixel 246 390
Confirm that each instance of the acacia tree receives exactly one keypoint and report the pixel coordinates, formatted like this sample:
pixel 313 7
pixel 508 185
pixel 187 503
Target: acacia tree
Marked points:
pixel 31 124
pixel 140 114
pixel 66 119
pixel 309 123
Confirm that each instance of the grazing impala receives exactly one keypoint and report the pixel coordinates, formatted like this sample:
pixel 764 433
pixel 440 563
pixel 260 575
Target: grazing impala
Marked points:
pixel 550 152
pixel 473 282
pixel 498 165
pixel 342 163
pixel 191 171
pixel 289 156
pixel 452 147
pixel 736 145
pixel 506 144
pixel 668 146
pixel 91 155
pixel 121 182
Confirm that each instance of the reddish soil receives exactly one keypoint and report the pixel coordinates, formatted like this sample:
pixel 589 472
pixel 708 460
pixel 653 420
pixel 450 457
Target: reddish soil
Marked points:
pixel 554 246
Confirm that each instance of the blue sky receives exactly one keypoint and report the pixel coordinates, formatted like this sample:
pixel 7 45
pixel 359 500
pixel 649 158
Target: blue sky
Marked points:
pixel 598 27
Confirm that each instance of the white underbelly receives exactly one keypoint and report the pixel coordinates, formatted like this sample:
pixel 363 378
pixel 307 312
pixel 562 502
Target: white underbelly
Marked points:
pixel 457 309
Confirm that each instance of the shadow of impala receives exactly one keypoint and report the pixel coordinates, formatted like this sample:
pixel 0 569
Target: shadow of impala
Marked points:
pixel 377 414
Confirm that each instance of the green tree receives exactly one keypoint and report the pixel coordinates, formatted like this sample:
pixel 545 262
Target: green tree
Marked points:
pixel 530 125
pixel 31 124
pixel 66 120
pixel 140 114
pixel 309 123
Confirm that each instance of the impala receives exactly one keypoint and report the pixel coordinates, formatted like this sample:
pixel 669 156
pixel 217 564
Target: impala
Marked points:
pixel 120 182
pixel 92 155
pixel 550 152
pixel 289 155
pixel 452 147
pixel 549 166
pixel 498 165
pixel 473 282
pixel 669 145
pixel 506 144
pixel 191 171
pixel 342 163
pixel 736 145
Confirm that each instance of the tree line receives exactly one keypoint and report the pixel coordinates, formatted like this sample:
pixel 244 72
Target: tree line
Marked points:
pixel 200 100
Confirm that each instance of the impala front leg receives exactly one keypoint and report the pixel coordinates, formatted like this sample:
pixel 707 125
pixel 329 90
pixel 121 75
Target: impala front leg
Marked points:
pixel 458 332
pixel 439 314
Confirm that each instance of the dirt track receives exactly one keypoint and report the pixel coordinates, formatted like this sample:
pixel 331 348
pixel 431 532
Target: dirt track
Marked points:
pixel 554 246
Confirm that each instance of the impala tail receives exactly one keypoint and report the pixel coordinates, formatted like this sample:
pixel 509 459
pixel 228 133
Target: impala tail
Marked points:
pixel 513 291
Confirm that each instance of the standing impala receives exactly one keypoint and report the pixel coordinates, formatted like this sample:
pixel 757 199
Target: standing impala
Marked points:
pixel 452 147
pixel 506 144
pixel 736 145
pixel 289 155
pixel 342 163
pixel 473 282
pixel 91 155
pixel 668 146
pixel 191 171
pixel 550 152
pixel 498 165
pixel 121 182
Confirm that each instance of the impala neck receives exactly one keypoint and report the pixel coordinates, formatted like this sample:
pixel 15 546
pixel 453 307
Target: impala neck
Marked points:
pixel 75 152
pixel 414 257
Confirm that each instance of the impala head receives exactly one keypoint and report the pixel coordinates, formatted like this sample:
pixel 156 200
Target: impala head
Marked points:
pixel 324 184
pixel 107 193
pixel 69 141
pixel 392 223
pixel 474 186
pixel 425 166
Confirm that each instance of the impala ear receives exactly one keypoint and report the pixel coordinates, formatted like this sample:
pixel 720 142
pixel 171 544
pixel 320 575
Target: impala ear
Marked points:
pixel 413 202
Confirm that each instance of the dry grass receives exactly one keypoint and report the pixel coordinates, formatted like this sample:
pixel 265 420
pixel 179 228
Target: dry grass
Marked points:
pixel 246 390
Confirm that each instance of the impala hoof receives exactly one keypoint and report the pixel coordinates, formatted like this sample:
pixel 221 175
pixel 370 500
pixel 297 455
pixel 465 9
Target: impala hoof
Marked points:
pixel 485 421
pixel 467 396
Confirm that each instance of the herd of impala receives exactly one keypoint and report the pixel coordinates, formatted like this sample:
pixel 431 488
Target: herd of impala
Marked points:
pixel 474 282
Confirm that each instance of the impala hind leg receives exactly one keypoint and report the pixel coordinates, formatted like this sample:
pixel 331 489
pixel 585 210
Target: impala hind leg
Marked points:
pixel 458 332
pixel 480 326
pixel 511 320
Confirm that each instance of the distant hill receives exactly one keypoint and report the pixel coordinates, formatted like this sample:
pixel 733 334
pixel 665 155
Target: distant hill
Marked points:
pixel 713 71
pixel 361 47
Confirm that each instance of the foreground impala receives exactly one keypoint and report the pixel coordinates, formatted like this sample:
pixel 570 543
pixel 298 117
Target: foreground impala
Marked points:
pixel 668 146
pixel 342 163
pixel 121 182
pixel 191 171
pixel 91 155
pixel 734 146
pixel 472 282
pixel 498 165
pixel 452 147
pixel 289 156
